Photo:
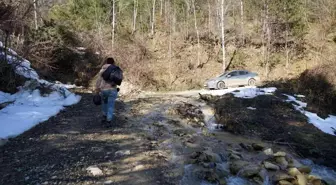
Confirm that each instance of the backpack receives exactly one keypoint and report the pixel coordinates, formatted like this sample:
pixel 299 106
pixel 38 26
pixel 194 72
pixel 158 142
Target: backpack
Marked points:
pixel 113 74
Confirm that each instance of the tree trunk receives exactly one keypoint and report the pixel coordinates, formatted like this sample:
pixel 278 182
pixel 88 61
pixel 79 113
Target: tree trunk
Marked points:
pixel 113 23
pixel 161 8
pixel 268 37
pixel 35 14
pixel 197 34
pixel 223 35
pixel 242 21
pixel 153 17
pixel 135 13
pixel 286 42
pixel 187 16
pixel 170 48
pixel 209 16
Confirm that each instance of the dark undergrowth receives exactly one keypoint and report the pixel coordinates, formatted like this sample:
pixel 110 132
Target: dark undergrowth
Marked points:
pixel 275 120
pixel 317 84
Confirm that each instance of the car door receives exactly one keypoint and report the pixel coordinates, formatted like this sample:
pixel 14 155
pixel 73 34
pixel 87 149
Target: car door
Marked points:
pixel 233 78
pixel 242 78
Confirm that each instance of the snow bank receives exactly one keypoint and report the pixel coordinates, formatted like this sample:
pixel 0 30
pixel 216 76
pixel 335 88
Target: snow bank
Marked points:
pixel 242 92
pixel 29 107
pixel 326 125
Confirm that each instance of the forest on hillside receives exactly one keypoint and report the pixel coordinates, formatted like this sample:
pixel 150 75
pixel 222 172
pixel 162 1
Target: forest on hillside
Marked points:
pixel 165 44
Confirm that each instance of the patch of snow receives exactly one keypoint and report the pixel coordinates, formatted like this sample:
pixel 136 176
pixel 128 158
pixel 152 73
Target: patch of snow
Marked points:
pixel 94 170
pixel 81 48
pixel 300 105
pixel 69 86
pixel 251 108
pixel 242 92
pixel 325 125
pixel 29 109
pixel 6 97
pixel 122 153
pixel 300 96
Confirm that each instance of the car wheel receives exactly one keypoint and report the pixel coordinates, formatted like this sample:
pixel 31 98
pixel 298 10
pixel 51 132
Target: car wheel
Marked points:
pixel 221 85
pixel 252 82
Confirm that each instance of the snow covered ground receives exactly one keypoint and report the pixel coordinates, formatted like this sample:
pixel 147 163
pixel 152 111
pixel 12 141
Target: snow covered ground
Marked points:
pixel 326 125
pixel 241 92
pixel 28 107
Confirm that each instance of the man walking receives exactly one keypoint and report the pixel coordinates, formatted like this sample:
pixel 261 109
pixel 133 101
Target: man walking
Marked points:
pixel 109 77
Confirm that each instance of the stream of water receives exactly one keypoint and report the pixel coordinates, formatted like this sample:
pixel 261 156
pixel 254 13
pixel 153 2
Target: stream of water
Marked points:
pixel 327 174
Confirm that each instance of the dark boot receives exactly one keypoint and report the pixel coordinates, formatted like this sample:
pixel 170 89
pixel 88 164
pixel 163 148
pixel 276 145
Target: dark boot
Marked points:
pixel 103 119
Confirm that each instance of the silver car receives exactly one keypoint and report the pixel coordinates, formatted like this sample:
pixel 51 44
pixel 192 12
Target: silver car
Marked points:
pixel 233 78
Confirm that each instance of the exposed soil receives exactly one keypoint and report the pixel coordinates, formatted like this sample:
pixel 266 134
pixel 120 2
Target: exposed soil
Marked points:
pixel 154 141
pixel 60 150
pixel 277 121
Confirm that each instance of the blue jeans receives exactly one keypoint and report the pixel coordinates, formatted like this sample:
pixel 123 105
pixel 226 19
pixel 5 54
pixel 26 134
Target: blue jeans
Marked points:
pixel 109 97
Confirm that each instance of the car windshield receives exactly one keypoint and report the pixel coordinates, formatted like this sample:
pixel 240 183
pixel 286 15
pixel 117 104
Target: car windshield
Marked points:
pixel 223 74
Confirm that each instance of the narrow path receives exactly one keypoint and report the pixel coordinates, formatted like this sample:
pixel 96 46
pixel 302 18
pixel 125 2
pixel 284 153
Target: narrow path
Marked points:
pixel 60 150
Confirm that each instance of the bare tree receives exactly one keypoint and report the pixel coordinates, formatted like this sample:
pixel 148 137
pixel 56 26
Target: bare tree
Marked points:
pixel 209 16
pixel 113 22
pixel 197 33
pixel 161 7
pixel 242 21
pixel 223 34
pixel 35 14
pixel 266 37
pixel 135 13
pixel 153 17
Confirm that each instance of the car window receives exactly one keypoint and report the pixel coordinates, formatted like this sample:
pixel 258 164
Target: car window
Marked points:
pixel 243 72
pixel 234 73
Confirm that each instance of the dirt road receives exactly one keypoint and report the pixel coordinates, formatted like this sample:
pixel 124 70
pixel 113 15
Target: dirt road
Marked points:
pixel 158 139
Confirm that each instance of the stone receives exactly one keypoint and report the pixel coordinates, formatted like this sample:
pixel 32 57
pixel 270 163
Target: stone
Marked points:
pixel 238 165
pixel 208 165
pixel 246 147
pixel 94 170
pixel 3 141
pixel 301 179
pixel 258 180
pixel 257 147
pixel 250 171
pixel 209 156
pixel 221 171
pixel 293 163
pixel 293 171
pixel 108 182
pixel 314 180
pixel 268 151
pixel 222 182
pixel 122 153
pixel 235 152
pixel 271 166
pixel 305 169
pixel 139 167
pixel 234 156
pixel 280 154
pixel 282 176
pixel 282 161
pixel 284 182
pixel 194 155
